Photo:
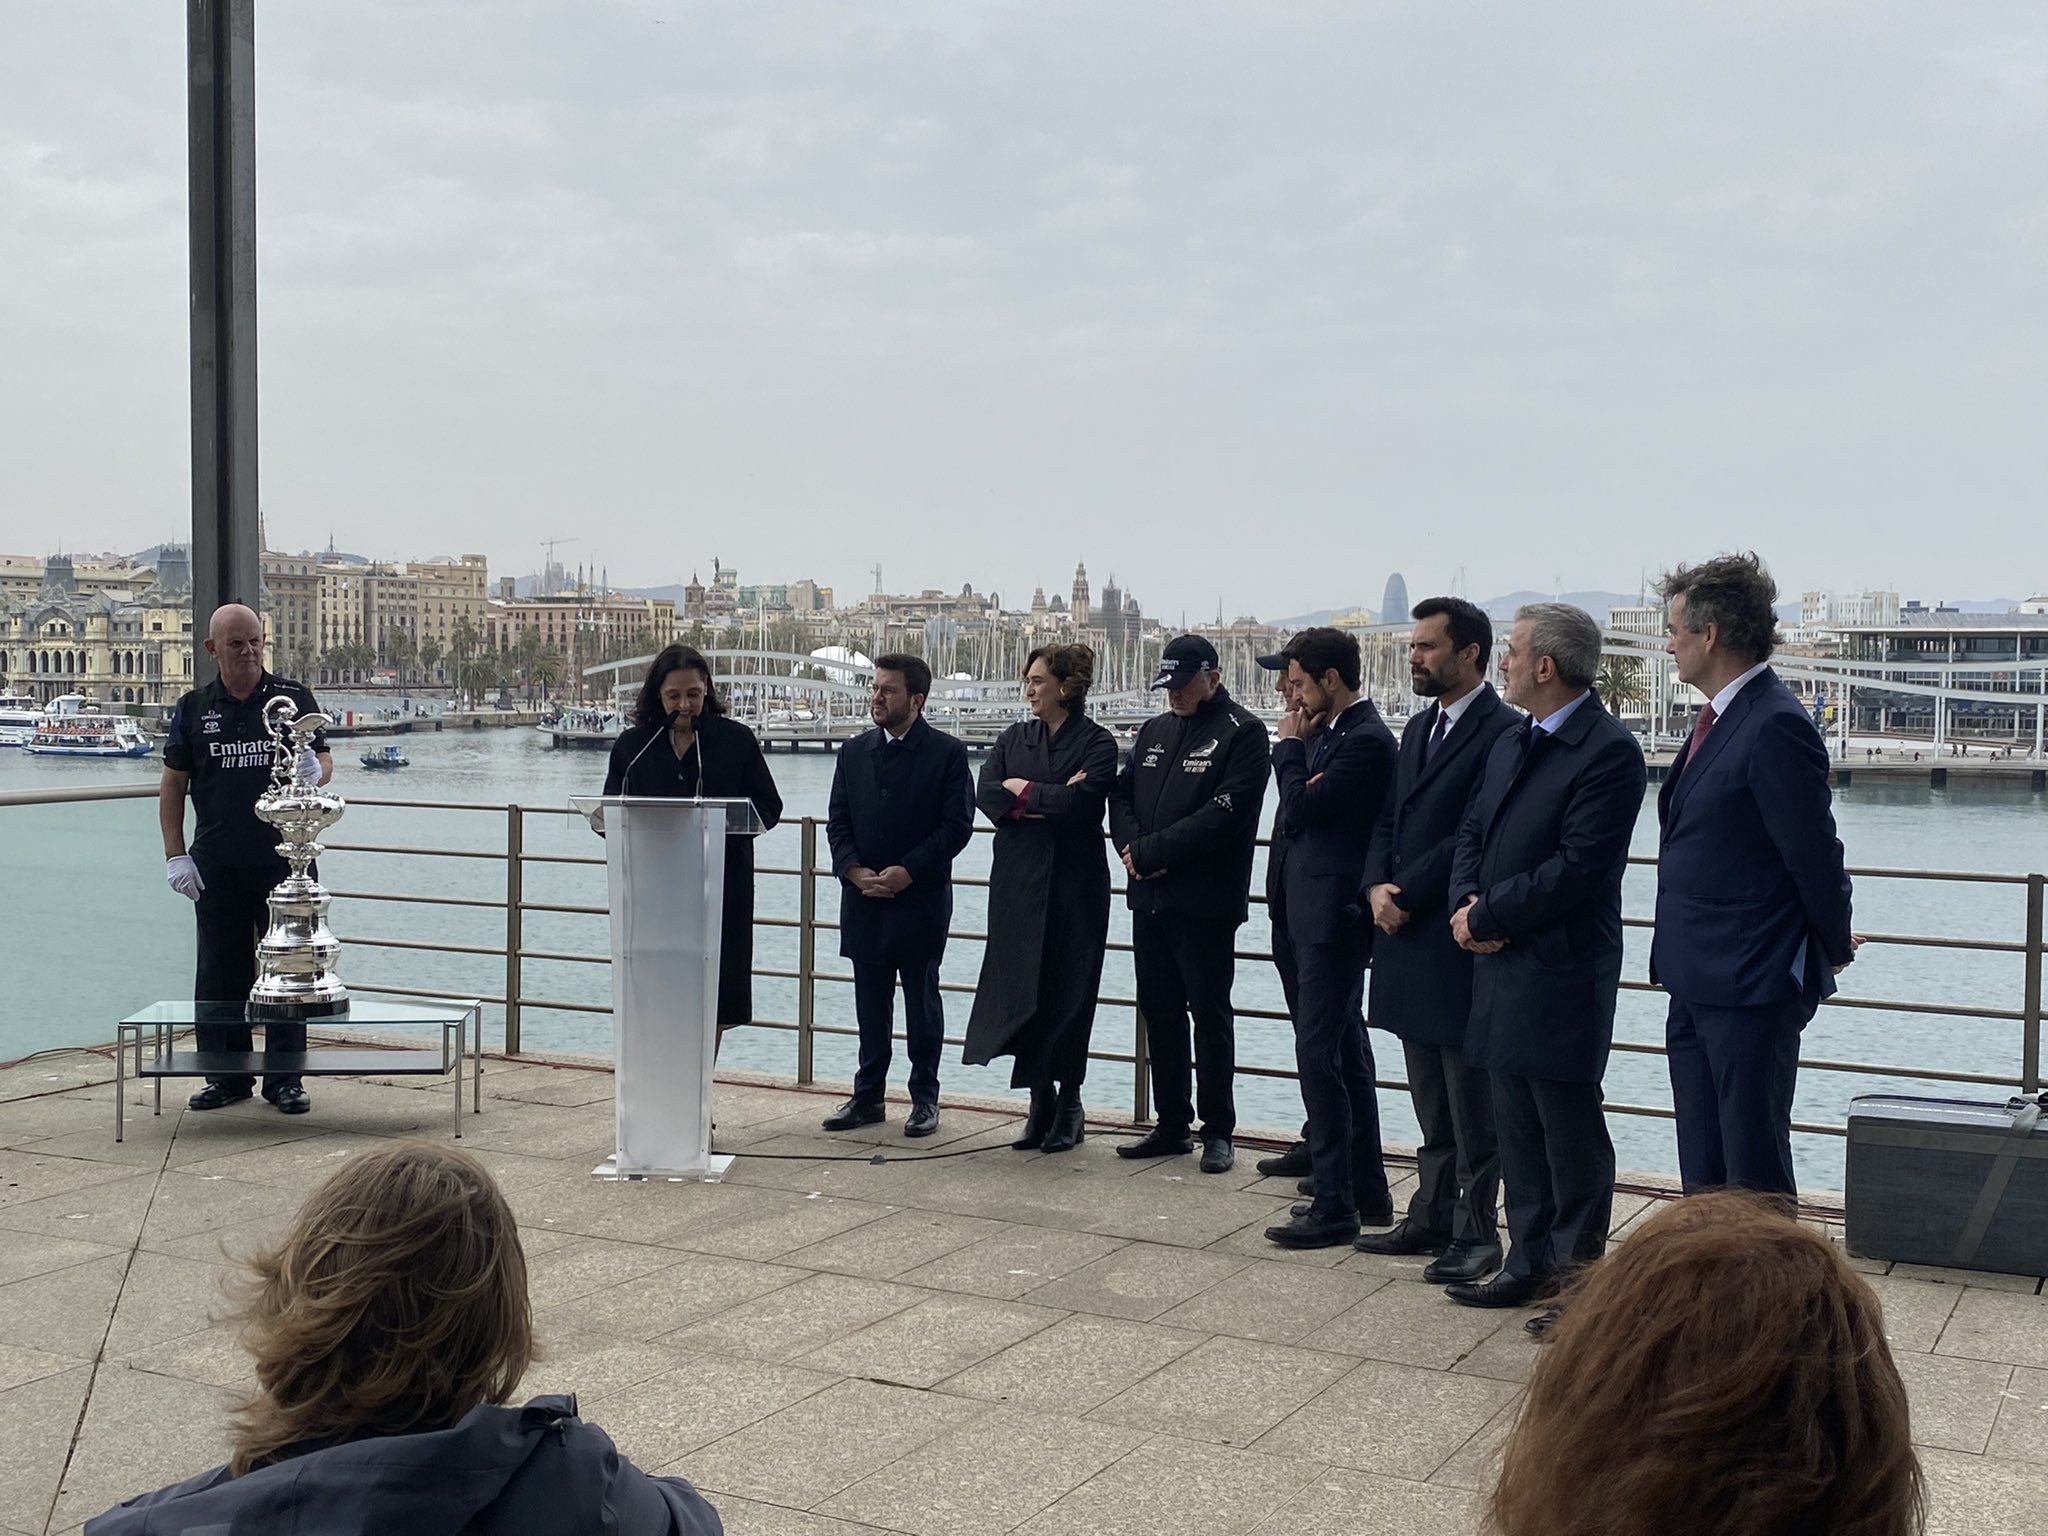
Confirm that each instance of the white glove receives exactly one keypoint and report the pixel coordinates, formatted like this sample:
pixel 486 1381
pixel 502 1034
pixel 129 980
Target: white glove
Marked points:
pixel 309 766
pixel 182 876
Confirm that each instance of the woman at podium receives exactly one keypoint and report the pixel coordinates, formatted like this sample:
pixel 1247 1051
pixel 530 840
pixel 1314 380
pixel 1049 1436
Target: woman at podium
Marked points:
pixel 682 745
pixel 1045 787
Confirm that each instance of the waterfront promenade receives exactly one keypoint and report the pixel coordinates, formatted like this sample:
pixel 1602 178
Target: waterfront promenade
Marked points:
pixel 1064 1346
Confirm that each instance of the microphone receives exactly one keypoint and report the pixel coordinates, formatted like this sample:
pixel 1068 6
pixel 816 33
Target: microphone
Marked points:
pixel 666 726
pixel 700 765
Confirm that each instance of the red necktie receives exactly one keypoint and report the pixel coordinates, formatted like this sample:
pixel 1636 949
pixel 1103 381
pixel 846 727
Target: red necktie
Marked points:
pixel 1700 727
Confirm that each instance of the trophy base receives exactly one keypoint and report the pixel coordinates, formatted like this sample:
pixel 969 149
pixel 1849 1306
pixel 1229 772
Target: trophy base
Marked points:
pixel 265 1011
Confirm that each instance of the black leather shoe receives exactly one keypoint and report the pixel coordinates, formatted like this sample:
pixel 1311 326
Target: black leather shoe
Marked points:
pixel 1038 1122
pixel 853 1113
pixel 1464 1261
pixel 290 1101
pixel 1316 1229
pixel 1305 1187
pixel 1069 1127
pixel 1404 1237
pixel 213 1096
pixel 1160 1141
pixel 1218 1155
pixel 1291 1164
pixel 1503 1291
pixel 1539 1326
pixel 924 1119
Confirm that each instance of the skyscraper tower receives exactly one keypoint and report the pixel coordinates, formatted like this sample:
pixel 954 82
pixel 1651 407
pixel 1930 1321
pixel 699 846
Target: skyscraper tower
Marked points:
pixel 1394 605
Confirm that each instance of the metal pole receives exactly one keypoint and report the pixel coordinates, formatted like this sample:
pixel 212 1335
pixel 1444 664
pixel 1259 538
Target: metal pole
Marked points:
pixel 2030 1027
pixel 220 110
pixel 1141 1071
pixel 807 954
pixel 515 920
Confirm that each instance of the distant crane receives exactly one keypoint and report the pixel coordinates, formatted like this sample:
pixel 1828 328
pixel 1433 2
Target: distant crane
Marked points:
pixel 547 570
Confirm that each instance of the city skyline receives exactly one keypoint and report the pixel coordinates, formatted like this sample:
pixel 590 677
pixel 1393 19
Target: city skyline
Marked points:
pixel 1288 292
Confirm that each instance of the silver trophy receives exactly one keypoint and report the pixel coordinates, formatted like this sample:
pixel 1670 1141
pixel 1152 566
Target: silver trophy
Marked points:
pixel 295 960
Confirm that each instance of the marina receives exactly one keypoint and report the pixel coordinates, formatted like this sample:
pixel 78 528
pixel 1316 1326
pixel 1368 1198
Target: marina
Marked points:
pixel 437 849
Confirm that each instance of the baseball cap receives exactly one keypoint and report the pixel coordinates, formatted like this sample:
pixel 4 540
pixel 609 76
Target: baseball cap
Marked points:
pixel 1277 662
pixel 1184 660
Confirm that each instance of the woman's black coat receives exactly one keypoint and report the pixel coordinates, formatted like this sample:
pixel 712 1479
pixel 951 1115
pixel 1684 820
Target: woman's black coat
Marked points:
pixel 732 767
pixel 1048 899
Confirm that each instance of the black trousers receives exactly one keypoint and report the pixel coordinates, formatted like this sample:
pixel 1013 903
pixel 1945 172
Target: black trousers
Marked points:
pixel 1283 962
pixel 924 1026
pixel 1184 971
pixel 1337 1079
pixel 1559 1167
pixel 231 914
pixel 1457 1167
pixel 1733 1071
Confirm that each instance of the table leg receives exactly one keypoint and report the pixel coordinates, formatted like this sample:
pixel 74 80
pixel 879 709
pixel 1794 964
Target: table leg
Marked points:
pixel 121 1085
pixel 476 1058
pixel 163 1037
pixel 457 1058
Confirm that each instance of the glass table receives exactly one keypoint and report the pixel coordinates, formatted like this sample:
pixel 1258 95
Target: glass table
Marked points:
pixel 160 1024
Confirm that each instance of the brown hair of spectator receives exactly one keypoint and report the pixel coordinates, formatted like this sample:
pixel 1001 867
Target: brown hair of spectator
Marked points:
pixel 395 1304
pixel 1072 667
pixel 1722 1371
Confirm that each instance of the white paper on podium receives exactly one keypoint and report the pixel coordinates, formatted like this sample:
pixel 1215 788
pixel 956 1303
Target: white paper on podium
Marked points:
pixel 665 872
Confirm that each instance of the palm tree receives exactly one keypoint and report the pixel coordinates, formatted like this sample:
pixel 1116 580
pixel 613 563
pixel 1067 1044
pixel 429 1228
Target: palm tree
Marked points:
pixel 478 675
pixel 400 650
pixel 462 641
pixel 1619 682
pixel 430 657
pixel 546 670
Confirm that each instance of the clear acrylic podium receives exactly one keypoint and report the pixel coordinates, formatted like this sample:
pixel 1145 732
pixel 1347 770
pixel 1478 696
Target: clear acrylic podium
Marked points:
pixel 665 868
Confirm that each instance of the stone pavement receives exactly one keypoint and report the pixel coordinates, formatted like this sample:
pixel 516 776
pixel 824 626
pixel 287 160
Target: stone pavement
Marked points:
pixel 832 1347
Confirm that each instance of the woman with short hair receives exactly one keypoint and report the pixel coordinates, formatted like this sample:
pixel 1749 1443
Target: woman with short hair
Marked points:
pixel 389 1326
pixel 1723 1372
pixel 682 745
pixel 1045 786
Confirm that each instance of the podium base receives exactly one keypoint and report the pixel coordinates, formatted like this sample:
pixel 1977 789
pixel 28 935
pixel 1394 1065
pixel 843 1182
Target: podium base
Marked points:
pixel 712 1172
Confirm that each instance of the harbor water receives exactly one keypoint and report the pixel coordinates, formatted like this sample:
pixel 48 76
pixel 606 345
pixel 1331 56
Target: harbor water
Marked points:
pixel 89 931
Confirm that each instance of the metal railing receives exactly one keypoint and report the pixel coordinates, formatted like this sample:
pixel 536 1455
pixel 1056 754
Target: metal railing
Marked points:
pixel 811 870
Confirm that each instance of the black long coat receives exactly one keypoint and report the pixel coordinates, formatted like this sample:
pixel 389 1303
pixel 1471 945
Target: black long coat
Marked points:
pixel 1543 845
pixel 918 813
pixel 725 762
pixel 1048 897
pixel 1421 980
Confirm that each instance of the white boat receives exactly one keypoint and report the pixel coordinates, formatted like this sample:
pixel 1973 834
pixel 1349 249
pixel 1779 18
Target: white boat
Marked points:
pixel 19 718
pixel 585 728
pixel 89 735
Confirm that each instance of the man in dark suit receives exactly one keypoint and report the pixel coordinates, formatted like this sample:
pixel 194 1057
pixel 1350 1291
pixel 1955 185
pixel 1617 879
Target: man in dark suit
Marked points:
pixel 902 808
pixel 1752 895
pixel 1294 1162
pixel 1421 978
pixel 1333 764
pixel 1184 817
pixel 1536 896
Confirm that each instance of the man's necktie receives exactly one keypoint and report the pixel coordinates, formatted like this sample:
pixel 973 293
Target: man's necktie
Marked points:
pixel 1698 739
pixel 1436 736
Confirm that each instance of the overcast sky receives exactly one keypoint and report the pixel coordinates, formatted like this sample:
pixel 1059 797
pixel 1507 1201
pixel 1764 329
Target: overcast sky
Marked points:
pixel 1246 304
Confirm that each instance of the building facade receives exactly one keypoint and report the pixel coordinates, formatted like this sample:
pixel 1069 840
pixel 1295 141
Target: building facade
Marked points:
pixel 115 644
